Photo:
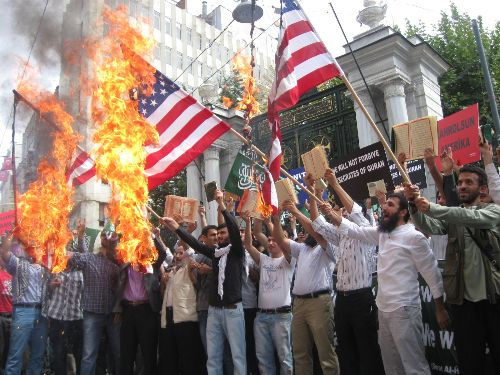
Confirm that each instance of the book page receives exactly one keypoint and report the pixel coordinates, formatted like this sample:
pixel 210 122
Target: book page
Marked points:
pixel 189 209
pixel 315 162
pixel 402 139
pixel 285 191
pixel 172 205
pixel 374 186
pixel 423 134
pixel 249 202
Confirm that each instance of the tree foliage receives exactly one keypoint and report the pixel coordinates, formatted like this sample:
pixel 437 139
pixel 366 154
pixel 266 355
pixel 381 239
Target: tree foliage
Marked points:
pixel 453 39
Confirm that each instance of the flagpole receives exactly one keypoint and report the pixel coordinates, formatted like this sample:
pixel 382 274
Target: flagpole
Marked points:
pixel 374 126
pixel 264 156
pixel 14 176
pixel 40 114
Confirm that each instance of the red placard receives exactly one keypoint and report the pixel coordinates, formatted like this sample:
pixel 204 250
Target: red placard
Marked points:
pixel 6 221
pixel 460 131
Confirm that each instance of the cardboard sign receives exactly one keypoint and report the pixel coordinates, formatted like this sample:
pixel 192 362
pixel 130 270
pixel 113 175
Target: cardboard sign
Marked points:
pixel 460 131
pixel 7 221
pixel 416 172
pixel 365 165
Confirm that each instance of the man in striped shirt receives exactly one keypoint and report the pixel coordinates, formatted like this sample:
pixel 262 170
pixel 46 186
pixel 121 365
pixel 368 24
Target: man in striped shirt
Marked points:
pixel 62 307
pixel 355 309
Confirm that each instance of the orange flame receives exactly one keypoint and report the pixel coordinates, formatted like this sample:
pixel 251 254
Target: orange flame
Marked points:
pixel 249 103
pixel 228 103
pixel 122 133
pixel 44 209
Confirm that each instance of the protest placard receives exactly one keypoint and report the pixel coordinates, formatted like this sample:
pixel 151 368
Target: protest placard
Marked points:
pixel 460 131
pixel 357 170
pixel 416 172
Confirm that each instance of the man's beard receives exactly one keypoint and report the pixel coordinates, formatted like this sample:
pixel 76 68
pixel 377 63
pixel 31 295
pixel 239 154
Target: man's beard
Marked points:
pixel 389 225
pixel 471 197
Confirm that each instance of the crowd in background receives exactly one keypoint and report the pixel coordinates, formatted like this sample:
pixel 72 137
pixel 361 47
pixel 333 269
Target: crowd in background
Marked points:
pixel 255 296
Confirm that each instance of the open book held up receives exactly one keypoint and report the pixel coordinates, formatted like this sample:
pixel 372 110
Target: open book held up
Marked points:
pixel 315 162
pixel 415 136
pixel 187 208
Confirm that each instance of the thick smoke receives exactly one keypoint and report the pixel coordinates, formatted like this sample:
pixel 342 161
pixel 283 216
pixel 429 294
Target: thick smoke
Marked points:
pixel 25 17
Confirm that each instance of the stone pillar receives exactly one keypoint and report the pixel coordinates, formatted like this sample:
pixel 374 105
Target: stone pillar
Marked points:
pixel 193 186
pixel 212 173
pixel 366 134
pixel 394 96
pixel 410 102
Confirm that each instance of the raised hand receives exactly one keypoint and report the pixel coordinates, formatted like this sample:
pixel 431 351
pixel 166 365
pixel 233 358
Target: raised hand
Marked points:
pixel 331 178
pixel 169 223
pixel 192 226
pixel 422 204
pixel 486 152
pixel 289 206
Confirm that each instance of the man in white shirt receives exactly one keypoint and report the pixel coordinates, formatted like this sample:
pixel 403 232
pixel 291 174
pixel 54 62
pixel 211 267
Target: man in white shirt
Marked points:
pixel 312 321
pixel 403 253
pixel 355 311
pixel 274 317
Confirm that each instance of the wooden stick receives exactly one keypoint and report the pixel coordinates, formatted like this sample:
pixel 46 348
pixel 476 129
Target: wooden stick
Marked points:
pixel 261 154
pixel 388 149
pixel 153 212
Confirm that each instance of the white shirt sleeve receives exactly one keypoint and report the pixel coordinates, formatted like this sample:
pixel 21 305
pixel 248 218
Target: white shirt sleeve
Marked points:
pixel 356 216
pixel 329 231
pixel 426 264
pixel 493 182
pixel 295 248
pixel 366 234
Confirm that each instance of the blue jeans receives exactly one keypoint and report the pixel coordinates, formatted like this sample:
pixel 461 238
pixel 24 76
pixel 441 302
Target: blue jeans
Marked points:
pixel 273 333
pixel 93 325
pixel 29 327
pixel 229 323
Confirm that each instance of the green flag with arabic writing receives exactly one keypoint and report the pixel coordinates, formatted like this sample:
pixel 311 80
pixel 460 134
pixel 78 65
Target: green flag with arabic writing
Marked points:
pixel 241 176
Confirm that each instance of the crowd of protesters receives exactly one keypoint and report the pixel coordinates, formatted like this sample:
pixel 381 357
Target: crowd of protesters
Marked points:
pixel 255 297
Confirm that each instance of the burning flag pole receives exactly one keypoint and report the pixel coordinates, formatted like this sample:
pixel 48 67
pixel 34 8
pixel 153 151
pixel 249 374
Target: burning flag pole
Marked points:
pixel 49 195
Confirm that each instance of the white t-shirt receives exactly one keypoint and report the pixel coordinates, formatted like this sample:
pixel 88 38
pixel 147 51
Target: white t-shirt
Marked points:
pixel 248 288
pixel 314 268
pixel 275 281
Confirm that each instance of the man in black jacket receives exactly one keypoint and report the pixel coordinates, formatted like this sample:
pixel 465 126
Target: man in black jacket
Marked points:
pixel 225 313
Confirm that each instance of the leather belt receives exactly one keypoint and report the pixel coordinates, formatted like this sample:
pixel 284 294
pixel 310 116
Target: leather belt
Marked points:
pixel 33 305
pixel 232 306
pixel 346 293
pixel 135 303
pixel 278 310
pixel 313 294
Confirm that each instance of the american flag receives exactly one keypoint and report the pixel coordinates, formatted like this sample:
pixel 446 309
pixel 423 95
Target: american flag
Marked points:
pixel 186 129
pixel 302 62
pixel 81 170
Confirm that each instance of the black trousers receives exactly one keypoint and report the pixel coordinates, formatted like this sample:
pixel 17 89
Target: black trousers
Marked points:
pixel 252 363
pixel 65 336
pixel 476 324
pixel 181 350
pixel 356 326
pixel 139 327
pixel 5 328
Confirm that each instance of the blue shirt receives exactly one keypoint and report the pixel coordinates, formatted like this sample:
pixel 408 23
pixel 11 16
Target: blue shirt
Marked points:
pixel 35 276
